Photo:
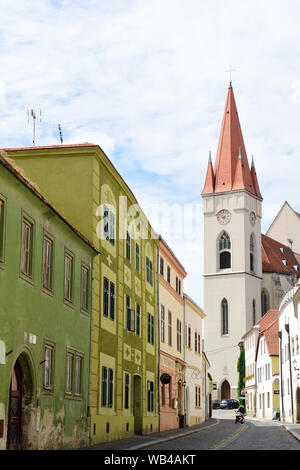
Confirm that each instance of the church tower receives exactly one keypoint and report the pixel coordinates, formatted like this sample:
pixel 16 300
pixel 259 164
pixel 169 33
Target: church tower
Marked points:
pixel 232 206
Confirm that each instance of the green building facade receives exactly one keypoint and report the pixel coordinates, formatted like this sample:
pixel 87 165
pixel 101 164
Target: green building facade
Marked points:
pixel 45 320
pixel 83 184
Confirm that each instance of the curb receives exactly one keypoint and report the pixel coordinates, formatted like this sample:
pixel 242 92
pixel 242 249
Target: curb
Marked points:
pixel 171 438
pixel 293 433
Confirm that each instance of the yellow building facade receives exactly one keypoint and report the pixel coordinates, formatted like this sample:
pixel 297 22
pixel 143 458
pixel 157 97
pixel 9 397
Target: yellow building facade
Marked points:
pixel 83 184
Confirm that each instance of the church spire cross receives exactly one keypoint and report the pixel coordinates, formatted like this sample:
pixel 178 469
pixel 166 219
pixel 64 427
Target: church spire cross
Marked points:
pixel 230 70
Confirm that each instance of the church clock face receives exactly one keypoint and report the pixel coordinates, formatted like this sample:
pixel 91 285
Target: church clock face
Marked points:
pixel 223 217
pixel 252 218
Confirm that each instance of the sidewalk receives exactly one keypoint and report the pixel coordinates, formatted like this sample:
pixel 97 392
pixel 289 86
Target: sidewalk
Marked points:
pixel 293 429
pixel 141 442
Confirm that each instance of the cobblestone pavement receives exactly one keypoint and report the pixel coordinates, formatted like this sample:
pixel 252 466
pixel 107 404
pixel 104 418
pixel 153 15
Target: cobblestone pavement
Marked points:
pixel 219 433
pixel 252 435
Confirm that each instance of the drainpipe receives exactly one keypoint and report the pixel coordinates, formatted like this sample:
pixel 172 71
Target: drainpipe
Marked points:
pixel 90 352
pixel 281 379
pixel 287 327
pixel 158 337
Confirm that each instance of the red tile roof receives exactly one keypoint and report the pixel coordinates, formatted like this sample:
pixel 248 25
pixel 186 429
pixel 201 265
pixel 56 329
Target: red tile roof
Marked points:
pixel 231 170
pixel 272 339
pixel 273 255
pixel 267 320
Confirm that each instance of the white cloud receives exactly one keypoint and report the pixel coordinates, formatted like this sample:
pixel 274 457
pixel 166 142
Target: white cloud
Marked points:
pixel 147 81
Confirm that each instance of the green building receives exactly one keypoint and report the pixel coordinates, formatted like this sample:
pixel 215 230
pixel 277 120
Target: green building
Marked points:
pixel 45 320
pixel 84 185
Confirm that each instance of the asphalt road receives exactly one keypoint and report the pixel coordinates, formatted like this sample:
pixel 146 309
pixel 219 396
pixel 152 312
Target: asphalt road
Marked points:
pixel 226 435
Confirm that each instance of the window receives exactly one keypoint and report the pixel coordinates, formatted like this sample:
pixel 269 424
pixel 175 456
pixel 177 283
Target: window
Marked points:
pixel 104 386
pixel 48 380
pixel 169 275
pixel 128 242
pixel 252 253
pixel 150 396
pixel 225 254
pixel 224 309
pixel 189 337
pixel 150 335
pixel 199 346
pixel 126 391
pixel 149 270
pixel 178 285
pixel 161 266
pixel 110 387
pixel 137 257
pixel 170 328
pixel 179 335
pixel 27 247
pixel 264 302
pixel 68 277
pixel 138 320
pixel 130 316
pixel 78 363
pixel 84 288
pixel 253 312
pixel 105 296
pixel 107 387
pixel 108 299
pixel 109 225
pixel 197 396
pixel 47 264
pixel 162 323
pixel 1 229
pixel 196 342
pixel 69 372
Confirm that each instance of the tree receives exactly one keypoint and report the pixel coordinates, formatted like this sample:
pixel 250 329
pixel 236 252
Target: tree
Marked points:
pixel 241 371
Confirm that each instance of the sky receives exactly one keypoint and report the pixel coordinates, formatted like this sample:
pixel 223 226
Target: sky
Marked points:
pixel 147 81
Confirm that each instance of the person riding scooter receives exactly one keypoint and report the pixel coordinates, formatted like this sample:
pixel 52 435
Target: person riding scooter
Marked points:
pixel 239 415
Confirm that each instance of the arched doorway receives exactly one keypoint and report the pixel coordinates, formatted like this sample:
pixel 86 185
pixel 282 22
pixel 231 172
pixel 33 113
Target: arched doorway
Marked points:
pixel 225 390
pixel 21 411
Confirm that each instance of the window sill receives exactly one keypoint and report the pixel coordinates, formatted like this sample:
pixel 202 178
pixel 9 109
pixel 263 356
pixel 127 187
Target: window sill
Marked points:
pixel 48 291
pixel 26 277
pixel 69 303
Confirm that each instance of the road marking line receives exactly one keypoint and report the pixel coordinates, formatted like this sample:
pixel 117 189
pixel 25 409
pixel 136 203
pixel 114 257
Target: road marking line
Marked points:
pixel 230 438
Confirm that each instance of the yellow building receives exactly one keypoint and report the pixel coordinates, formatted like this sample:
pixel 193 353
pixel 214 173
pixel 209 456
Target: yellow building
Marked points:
pixel 82 183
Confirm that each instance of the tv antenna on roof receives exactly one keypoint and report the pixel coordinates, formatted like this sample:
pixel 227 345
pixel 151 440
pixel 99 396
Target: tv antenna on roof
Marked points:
pixel 33 115
pixel 60 134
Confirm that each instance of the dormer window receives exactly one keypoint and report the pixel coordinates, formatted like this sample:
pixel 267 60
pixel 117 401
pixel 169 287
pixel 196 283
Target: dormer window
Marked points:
pixel 225 251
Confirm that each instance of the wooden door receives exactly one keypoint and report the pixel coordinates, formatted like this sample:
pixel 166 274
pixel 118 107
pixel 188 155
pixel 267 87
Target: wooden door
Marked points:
pixel 225 390
pixel 14 432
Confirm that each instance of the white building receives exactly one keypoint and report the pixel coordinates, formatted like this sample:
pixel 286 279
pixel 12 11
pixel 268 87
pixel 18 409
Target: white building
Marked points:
pixel 289 356
pixel 245 273
pixel 250 345
pixel 267 373
pixel 196 365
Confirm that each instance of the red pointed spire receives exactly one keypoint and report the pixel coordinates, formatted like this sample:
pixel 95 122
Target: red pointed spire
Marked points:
pixel 210 178
pixel 254 179
pixel 231 170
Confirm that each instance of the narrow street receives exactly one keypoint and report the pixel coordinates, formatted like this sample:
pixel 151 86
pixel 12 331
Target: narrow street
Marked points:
pixel 226 435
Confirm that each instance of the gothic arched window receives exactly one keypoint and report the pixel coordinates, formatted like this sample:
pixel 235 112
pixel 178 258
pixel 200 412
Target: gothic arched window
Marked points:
pixel 252 248
pixel 264 302
pixel 254 312
pixel 225 251
pixel 224 313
